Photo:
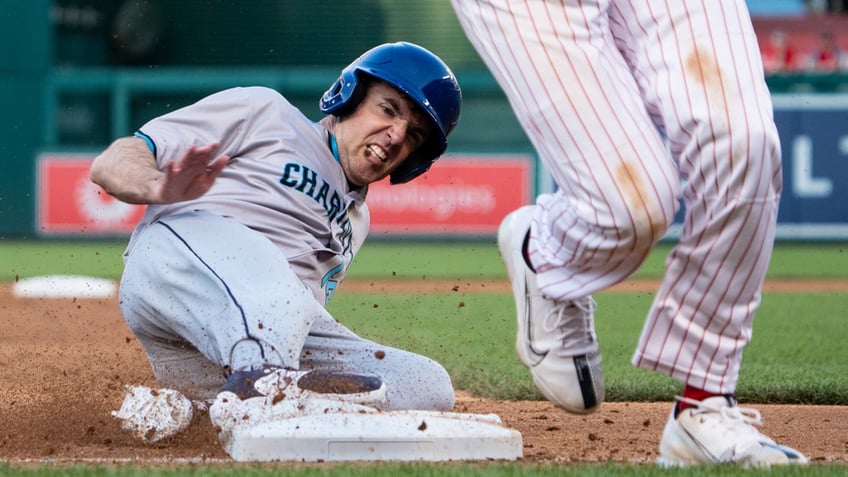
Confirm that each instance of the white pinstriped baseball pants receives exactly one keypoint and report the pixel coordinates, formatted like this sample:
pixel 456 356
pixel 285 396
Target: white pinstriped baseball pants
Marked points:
pixel 598 86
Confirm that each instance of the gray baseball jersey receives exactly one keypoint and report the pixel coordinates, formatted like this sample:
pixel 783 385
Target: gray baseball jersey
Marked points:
pixel 298 195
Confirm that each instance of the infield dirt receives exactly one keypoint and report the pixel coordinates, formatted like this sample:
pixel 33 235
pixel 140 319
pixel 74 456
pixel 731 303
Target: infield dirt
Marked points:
pixel 64 362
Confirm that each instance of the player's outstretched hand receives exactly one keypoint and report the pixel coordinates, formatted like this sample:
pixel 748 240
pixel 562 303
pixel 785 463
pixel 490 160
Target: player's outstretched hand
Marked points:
pixel 192 175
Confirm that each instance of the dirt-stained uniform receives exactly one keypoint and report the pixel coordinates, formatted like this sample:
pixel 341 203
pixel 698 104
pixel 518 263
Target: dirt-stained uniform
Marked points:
pixel 241 275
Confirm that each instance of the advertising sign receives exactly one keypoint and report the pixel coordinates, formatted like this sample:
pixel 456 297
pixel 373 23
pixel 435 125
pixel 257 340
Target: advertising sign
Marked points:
pixel 68 203
pixel 462 195
pixel 814 138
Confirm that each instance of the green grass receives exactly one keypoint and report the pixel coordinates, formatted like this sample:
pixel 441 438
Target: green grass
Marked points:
pixel 481 260
pixel 400 259
pixel 798 354
pixel 22 259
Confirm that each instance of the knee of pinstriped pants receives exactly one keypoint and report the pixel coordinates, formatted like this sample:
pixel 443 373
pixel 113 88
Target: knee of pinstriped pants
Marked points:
pixel 734 159
pixel 584 238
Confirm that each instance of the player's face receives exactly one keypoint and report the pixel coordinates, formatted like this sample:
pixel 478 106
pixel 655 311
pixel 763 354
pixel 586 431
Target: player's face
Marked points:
pixel 379 135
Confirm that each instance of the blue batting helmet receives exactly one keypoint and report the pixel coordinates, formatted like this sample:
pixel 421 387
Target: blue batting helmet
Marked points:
pixel 419 74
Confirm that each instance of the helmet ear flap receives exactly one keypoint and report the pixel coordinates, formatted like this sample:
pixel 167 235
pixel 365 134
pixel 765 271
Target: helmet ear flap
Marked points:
pixel 344 95
pixel 334 92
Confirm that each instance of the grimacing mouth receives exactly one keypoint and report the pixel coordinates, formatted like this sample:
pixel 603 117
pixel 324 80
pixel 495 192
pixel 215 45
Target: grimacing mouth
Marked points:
pixel 378 152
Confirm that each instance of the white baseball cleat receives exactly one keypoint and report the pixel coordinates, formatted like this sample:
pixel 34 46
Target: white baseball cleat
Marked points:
pixel 152 415
pixel 555 340
pixel 718 431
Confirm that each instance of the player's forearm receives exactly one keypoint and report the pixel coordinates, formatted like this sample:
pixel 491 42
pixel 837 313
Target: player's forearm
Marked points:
pixel 127 171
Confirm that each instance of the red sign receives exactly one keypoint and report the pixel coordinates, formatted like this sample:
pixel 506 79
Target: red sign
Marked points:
pixel 69 203
pixel 460 195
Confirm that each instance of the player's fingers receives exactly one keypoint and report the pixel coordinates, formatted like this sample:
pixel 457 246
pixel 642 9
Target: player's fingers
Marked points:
pixel 218 164
pixel 206 150
pixel 215 167
pixel 199 157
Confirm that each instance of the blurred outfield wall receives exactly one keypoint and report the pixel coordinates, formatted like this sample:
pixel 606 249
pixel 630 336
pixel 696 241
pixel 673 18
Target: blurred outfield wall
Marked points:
pixel 84 72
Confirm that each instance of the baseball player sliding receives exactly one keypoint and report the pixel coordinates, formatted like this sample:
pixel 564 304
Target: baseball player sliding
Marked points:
pixel 255 214
pixel 598 86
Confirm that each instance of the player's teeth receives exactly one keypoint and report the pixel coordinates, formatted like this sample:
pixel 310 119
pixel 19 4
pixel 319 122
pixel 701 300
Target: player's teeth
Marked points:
pixel 378 152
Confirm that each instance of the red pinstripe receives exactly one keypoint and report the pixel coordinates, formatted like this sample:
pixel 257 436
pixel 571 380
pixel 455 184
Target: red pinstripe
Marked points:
pixel 591 82
pixel 724 294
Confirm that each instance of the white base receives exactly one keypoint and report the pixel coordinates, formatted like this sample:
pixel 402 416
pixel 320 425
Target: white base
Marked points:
pixel 64 286
pixel 389 436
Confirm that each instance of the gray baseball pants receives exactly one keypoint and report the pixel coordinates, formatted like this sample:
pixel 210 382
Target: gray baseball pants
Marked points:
pixel 202 292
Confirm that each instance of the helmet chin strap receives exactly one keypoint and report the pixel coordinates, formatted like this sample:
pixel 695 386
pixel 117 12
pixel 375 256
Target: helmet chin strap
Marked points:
pixel 333 145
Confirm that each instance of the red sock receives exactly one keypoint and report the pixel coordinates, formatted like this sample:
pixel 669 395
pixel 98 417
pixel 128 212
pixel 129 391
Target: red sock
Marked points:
pixel 695 394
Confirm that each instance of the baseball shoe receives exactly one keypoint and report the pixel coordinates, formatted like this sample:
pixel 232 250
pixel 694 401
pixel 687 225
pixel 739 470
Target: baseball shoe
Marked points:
pixel 255 397
pixel 243 383
pixel 718 431
pixel 336 385
pixel 556 341
pixel 152 415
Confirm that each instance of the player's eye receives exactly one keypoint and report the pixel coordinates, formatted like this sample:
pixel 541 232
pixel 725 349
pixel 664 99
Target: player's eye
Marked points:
pixel 388 110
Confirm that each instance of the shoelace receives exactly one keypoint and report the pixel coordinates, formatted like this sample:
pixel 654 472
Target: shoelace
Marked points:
pixel 734 415
pixel 573 320
pixel 739 421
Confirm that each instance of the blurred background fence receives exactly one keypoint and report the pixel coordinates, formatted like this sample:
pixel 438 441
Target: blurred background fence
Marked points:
pixel 79 73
